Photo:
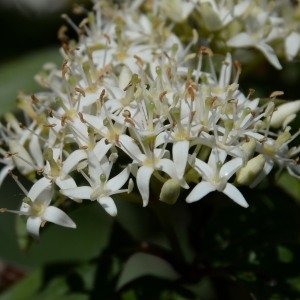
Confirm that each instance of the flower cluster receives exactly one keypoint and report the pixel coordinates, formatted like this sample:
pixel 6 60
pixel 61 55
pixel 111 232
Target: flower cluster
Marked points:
pixel 272 27
pixel 135 110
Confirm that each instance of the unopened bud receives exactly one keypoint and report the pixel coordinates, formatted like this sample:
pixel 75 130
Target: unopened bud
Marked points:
pixel 283 112
pixel 170 191
pixel 249 173
pixel 249 148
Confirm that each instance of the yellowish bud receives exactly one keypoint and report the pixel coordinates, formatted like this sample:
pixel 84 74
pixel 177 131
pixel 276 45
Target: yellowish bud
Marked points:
pixel 248 174
pixel 286 111
pixel 170 191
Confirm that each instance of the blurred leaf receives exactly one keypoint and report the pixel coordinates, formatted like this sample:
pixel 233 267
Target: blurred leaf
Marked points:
pixel 62 244
pixel 54 290
pixel 290 185
pixel 142 264
pixel 26 288
pixel 285 255
pixel 18 75
pixel 294 283
pixel 58 289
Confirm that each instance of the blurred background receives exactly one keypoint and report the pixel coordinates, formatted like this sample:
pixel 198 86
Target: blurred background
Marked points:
pixel 28 40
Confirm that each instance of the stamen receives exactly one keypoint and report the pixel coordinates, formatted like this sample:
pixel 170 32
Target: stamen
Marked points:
pixel 15 178
pixel 71 23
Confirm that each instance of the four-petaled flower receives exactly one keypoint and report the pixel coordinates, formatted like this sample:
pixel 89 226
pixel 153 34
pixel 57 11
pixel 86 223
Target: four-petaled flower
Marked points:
pixel 215 175
pixel 36 206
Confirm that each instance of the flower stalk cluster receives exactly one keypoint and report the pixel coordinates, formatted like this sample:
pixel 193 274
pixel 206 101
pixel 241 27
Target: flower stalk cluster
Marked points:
pixel 134 110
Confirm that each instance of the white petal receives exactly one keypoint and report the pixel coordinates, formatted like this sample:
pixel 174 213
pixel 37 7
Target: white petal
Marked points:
pixel 57 216
pixel 200 190
pixel 109 205
pixel 40 186
pixel 101 149
pixel 143 179
pixel 229 168
pixel 204 169
pixel 267 169
pixel 95 169
pixel 4 173
pixel 232 192
pixel 269 53
pixel 33 226
pixel 242 39
pixel 81 192
pixel 72 160
pixel 292 45
pixel 119 180
pixel 66 183
pixel 129 146
pixel 240 8
pixel 167 166
pixel 180 153
pixel 294 170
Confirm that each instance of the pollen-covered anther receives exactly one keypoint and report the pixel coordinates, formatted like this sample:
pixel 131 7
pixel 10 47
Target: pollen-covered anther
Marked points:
pixel 251 92
pixel 43 223
pixel 64 69
pixel 62 36
pixel 81 117
pixel 139 60
pixel 107 37
pixel 22 126
pixel 83 23
pixel 212 101
pixel 162 95
pixel 64 119
pixel 50 112
pixel 102 94
pixel 262 140
pixel 205 50
pixel 238 66
pixel 191 92
pixel 49 125
pixel 130 121
pixel 40 171
pixel 34 98
pixel 80 90
pixel 276 94
pixel 3 210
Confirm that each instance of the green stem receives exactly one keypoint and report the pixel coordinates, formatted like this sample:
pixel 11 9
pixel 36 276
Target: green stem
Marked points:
pixel 164 214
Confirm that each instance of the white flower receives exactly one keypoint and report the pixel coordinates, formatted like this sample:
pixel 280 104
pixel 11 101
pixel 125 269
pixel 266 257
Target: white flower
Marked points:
pixel 215 175
pixel 148 162
pixel 100 187
pixel 218 14
pixel 260 29
pixel 36 206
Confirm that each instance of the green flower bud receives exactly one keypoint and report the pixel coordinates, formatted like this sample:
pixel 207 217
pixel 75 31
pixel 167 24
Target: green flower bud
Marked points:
pixel 170 191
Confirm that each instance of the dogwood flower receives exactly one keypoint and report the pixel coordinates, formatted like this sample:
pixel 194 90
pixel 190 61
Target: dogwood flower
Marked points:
pixel 100 187
pixel 215 175
pixel 36 206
